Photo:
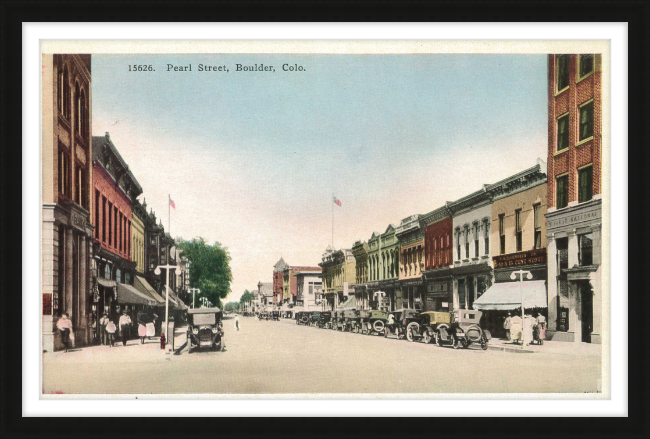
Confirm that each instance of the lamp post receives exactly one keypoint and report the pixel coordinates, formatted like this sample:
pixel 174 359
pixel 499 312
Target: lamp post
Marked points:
pixel 167 290
pixel 529 276
pixel 194 290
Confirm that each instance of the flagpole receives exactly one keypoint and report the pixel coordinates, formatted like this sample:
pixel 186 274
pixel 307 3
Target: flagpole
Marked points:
pixel 332 222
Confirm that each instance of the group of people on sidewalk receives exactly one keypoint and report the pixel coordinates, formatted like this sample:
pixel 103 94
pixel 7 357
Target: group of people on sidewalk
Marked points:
pixel 533 328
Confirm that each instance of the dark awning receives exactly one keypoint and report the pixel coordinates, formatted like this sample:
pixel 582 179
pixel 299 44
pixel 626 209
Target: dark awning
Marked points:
pixel 143 286
pixel 128 295
pixel 106 282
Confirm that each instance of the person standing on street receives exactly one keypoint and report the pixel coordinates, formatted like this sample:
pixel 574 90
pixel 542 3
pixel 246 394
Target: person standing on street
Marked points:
pixel 125 327
pixel 237 322
pixel 64 324
pixel 103 335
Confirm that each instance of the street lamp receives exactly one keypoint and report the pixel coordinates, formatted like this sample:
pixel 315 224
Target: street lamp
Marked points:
pixel 194 290
pixel 167 290
pixel 529 276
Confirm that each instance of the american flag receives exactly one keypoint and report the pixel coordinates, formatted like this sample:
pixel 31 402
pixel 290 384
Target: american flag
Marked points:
pixel 171 203
pixel 337 201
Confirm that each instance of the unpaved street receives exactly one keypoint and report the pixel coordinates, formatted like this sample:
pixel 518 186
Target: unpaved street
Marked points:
pixel 282 357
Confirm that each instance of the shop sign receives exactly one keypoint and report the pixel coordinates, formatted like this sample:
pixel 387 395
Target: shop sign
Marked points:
pixel 574 219
pixel 78 221
pixel 537 256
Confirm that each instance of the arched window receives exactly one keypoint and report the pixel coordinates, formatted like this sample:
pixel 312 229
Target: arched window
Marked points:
pixel 82 115
pixel 77 105
pixel 66 93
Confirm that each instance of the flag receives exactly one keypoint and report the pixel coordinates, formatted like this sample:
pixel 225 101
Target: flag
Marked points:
pixel 171 203
pixel 336 201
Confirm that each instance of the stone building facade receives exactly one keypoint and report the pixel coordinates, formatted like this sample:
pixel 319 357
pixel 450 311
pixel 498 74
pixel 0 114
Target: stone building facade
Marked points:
pixel 67 226
pixel 383 270
pixel 410 234
pixel 574 197
pixel 338 268
pixel 360 252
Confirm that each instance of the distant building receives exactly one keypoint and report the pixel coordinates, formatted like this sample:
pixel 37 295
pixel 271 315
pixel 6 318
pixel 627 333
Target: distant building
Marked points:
pixel 278 281
pixel 290 282
pixel 410 234
pixel 263 295
pixel 338 275
pixel 360 252
pixel 438 260
pixel 309 286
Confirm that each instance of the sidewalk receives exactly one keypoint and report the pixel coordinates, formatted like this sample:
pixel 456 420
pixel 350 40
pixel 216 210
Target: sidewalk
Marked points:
pixel 549 347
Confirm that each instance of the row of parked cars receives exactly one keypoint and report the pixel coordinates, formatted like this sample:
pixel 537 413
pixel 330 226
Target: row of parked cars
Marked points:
pixel 459 328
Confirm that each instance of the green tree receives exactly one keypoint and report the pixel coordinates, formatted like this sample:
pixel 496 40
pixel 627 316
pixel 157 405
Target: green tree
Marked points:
pixel 209 268
pixel 246 297
pixel 232 306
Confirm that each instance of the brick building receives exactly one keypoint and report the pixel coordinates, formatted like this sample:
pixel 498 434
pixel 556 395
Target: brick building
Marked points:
pixel 278 281
pixel 67 219
pixel 438 260
pixel 574 196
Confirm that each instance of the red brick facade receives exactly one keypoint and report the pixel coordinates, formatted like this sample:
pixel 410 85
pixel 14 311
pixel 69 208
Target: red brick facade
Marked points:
pixel 568 100
pixel 112 213
pixel 438 244
pixel 293 281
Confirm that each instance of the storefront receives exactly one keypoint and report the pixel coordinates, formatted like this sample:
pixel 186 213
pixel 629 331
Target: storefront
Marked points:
pixel 439 290
pixel 574 273
pixel 470 282
pixel 412 293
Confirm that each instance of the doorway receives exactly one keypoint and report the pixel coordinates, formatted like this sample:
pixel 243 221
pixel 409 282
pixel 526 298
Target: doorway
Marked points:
pixel 587 310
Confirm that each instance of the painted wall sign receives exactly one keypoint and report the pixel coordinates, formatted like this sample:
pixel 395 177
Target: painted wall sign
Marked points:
pixel 537 256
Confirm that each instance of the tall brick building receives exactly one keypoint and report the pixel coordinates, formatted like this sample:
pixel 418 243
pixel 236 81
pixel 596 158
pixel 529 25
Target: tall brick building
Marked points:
pixel 67 174
pixel 574 196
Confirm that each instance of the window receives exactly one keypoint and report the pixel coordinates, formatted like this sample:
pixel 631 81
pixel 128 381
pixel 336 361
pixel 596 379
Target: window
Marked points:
pixel 586 65
pixel 97 201
pixel 487 237
pixel 585 182
pixel 586 121
pixel 562 71
pixel 104 219
pixel 65 180
pixel 562 192
pixel 63 92
pixel 466 242
pixel 562 245
pixel 518 229
pixel 563 133
pixel 502 234
pixel 476 231
pixel 458 244
pixel 586 243
pixel 110 224
pixel 537 212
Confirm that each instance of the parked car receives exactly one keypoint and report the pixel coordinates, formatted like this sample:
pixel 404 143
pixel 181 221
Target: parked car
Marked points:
pixel 349 319
pixel 275 315
pixel 429 322
pixel 314 318
pixel 373 322
pixel 205 329
pixel 407 324
pixel 324 320
pixel 463 330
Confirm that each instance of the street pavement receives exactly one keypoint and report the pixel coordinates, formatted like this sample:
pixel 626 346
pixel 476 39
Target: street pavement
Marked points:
pixel 282 357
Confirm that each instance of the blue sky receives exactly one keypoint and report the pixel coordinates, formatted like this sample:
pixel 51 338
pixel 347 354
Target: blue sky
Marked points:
pixel 252 159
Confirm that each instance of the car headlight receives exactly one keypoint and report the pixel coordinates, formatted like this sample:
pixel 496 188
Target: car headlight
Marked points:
pixel 195 331
pixel 215 330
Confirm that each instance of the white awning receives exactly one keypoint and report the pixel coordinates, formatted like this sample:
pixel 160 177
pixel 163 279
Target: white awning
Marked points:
pixel 507 295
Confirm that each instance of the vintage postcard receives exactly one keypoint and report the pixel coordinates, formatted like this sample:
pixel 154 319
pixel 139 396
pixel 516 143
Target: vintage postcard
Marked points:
pixel 379 219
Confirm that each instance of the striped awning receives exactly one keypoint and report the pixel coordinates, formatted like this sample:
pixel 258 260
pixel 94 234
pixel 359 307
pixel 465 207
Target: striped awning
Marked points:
pixel 141 284
pixel 128 295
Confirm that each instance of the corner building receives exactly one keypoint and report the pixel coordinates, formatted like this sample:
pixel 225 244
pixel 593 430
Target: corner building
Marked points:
pixel 67 230
pixel 574 197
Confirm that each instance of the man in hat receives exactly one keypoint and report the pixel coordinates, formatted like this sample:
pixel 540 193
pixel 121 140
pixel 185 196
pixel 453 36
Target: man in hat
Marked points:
pixel 64 324
pixel 103 336
pixel 125 327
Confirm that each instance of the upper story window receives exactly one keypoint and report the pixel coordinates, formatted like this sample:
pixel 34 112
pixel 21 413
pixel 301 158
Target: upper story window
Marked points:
pixel 562 71
pixel 586 243
pixel 563 132
pixel 586 64
pixel 65 174
pixel 63 92
pixel 537 213
pixel 466 242
pixel 518 232
pixel 585 184
pixel 586 121
pixel 502 234
pixel 458 244
pixel 476 232
pixel 486 229
pixel 562 192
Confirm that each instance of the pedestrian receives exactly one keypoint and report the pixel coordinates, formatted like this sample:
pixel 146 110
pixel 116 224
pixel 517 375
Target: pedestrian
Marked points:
pixel 507 324
pixel 237 322
pixel 110 332
pixel 64 324
pixel 125 326
pixel 151 327
pixel 103 336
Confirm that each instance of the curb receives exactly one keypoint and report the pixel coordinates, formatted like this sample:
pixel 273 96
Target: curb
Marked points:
pixel 509 349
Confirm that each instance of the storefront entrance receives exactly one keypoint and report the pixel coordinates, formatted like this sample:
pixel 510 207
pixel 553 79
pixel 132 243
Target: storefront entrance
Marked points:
pixel 587 311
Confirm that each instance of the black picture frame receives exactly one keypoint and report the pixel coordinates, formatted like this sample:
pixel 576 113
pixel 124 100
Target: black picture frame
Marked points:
pixel 635 13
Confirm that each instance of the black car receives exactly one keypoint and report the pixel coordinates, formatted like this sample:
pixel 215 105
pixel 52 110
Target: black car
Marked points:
pixel 205 329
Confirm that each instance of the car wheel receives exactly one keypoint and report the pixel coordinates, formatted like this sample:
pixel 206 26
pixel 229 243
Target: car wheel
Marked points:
pixel 411 330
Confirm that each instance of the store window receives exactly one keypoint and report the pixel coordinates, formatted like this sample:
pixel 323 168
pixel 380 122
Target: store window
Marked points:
pixel 562 192
pixel 586 64
pixel 562 71
pixel 586 121
pixel 502 234
pixel 563 133
pixel 585 184
pixel 537 213
pixel 518 233
pixel 586 244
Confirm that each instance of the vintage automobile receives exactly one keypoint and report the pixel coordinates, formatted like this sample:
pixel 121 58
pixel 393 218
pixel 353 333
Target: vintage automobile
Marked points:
pixel 302 318
pixel 429 322
pixel 350 320
pixel 463 330
pixel 314 318
pixel 324 319
pixel 205 329
pixel 275 315
pixel 373 322
pixel 406 326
